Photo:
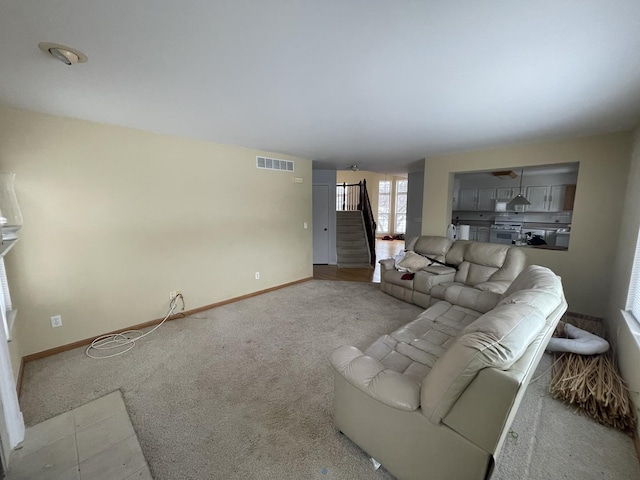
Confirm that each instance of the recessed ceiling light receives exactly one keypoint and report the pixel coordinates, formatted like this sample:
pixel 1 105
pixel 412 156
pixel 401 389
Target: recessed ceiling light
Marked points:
pixel 67 55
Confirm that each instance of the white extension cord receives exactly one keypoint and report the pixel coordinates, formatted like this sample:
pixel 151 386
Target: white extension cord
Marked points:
pixel 125 341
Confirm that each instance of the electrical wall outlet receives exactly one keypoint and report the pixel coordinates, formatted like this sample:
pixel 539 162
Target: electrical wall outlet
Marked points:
pixel 173 294
pixel 306 225
pixel 257 275
pixel 56 321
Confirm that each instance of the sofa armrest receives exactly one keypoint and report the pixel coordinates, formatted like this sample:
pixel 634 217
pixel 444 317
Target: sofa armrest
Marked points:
pixel 498 286
pixel 432 280
pixel 440 270
pixel 388 264
pixel 371 377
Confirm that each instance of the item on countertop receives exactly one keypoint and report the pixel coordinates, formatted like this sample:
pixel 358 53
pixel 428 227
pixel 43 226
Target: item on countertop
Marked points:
pixel 452 232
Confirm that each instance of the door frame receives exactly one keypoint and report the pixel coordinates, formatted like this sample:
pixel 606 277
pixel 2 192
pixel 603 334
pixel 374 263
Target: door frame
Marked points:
pixel 333 255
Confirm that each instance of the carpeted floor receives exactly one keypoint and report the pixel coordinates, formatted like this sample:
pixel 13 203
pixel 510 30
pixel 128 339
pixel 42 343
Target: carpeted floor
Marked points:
pixel 244 391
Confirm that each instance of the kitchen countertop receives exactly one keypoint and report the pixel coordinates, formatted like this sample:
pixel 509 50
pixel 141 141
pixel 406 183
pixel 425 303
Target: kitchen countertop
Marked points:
pixel 544 247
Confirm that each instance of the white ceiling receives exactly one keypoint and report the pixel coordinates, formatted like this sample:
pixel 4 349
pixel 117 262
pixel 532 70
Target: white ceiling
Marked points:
pixel 378 83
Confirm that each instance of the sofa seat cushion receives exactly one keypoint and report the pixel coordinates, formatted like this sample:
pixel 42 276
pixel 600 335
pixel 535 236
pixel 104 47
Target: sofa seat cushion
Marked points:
pixel 394 277
pixel 469 297
pixel 497 339
pixel 439 291
pixel 414 349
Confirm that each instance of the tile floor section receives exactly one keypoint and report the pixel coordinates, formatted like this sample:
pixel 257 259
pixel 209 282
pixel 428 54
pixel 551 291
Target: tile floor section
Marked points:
pixel 93 442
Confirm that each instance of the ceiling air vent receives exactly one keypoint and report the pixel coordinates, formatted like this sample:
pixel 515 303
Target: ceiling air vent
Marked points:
pixel 274 164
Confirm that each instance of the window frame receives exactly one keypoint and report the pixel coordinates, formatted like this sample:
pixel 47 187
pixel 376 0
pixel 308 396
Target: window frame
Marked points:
pixel 632 305
pixel 388 212
pixel 396 214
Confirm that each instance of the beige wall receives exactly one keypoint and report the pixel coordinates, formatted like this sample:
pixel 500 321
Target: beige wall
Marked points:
pixel 625 331
pixel 586 269
pixel 115 218
pixel 373 179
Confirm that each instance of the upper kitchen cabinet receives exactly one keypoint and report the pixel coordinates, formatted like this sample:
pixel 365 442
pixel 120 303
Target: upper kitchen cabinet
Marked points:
pixel 556 198
pixel 548 188
pixel 468 199
pixel 537 196
pixel 506 193
pixel 552 198
pixel 486 199
pixel 477 199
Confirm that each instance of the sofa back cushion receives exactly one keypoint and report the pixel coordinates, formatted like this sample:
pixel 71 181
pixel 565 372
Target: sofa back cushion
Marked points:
pixel 413 262
pixel 455 255
pixel 536 286
pixel 432 246
pixel 497 339
pixel 489 262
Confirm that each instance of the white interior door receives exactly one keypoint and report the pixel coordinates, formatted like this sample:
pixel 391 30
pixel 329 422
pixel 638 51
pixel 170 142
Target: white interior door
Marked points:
pixel 321 224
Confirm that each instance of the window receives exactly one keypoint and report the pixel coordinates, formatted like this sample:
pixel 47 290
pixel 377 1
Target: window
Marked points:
pixel 633 297
pixel 384 205
pixel 402 186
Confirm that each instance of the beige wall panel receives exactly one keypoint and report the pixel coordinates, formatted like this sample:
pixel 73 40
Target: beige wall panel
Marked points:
pixel 115 218
pixel 625 331
pixel 586 269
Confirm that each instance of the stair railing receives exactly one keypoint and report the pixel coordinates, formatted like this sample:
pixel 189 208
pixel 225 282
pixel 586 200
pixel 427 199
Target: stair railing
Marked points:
pixel 348 196
pixel 369 222
pixel 352 197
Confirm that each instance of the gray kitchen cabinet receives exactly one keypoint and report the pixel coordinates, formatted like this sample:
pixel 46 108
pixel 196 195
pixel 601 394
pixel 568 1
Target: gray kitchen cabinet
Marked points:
pixel 467 200
pixel 506 193
pixel 482 234
pixel 486 199
pixel 480 199
pixel 545 198
pixel 456 195
pixel 537 197
pixel 556 198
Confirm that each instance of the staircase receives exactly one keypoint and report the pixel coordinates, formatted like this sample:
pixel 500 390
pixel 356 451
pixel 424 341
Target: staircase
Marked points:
pixel 352 243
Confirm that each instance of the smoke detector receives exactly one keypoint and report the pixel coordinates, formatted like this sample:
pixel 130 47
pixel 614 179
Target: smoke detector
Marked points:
pixel 67 55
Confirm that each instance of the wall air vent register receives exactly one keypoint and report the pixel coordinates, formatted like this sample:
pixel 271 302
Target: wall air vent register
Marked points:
pixel 274 164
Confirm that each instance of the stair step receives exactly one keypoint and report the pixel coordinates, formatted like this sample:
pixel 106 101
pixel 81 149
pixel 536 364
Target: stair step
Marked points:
pixel 353 244
pixel 361 247
pixel 349 225
pixel 353 251
pixel 359 254
pixel 351 236
pixel 355 265
pixel 352 260
pixel 350 228
pixel 354 219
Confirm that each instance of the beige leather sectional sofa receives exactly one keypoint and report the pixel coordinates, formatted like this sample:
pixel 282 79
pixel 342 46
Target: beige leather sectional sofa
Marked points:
pixel 484 272
pixel 435 399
